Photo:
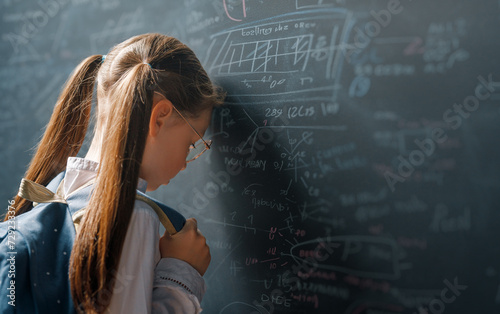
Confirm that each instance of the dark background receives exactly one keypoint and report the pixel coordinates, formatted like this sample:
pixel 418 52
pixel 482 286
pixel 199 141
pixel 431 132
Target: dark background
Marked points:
pixel 325 100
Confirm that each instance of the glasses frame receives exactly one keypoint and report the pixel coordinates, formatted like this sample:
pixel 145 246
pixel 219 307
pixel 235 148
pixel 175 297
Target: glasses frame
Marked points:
pixel 207 143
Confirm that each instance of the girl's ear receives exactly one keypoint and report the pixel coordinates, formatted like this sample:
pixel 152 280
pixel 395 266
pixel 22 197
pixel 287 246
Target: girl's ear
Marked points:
pixel 162 110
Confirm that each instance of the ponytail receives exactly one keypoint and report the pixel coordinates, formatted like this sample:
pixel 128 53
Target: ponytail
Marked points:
pixel 66 130
pixel 96 253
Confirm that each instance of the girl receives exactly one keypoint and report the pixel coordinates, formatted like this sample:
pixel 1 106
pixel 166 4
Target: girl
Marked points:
pixel 154 100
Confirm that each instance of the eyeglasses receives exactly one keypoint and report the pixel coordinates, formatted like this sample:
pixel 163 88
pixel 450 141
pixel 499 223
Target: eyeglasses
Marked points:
pixel 198 148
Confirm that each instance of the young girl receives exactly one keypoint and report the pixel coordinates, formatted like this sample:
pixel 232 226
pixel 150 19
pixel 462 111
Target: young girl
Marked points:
pixel 154 100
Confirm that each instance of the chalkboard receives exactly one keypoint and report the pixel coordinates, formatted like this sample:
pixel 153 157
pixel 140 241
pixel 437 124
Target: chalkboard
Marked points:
pixel 355 161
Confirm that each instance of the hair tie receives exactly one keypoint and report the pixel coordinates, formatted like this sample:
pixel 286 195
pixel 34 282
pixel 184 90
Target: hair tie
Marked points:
pixel 103 58
pixel 144 62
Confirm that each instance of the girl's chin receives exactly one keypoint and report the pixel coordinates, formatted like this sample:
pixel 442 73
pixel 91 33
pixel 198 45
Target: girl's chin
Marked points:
pixel 152 187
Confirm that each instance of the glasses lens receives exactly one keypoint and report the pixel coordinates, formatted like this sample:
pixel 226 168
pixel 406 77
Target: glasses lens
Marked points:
pixel 198 149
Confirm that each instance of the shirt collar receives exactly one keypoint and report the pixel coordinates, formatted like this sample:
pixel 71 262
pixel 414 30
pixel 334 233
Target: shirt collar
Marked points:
pixel 90 167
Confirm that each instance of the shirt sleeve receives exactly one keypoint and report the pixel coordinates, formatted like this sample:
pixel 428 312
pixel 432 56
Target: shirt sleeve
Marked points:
pixel 178 287
pixel 139 285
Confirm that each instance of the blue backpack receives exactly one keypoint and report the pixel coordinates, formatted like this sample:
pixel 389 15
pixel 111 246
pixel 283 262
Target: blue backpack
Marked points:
pixel 36 247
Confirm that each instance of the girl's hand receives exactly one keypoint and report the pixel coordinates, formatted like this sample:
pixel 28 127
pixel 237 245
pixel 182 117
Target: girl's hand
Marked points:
pixel 188 245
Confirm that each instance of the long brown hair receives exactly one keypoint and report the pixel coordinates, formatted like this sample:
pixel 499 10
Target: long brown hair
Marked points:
pixel 126 81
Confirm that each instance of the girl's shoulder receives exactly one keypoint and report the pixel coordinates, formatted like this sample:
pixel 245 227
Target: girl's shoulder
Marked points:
pixel 171 219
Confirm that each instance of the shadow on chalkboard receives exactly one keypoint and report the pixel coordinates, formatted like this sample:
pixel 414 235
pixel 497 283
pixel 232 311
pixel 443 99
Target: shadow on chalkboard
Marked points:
pixel 256 213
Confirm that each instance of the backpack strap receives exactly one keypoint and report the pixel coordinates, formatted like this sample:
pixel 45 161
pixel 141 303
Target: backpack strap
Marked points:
pixel 161 214
pixel 38 193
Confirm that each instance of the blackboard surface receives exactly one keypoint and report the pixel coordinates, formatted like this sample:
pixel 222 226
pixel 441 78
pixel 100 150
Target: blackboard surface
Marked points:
pixel 355 166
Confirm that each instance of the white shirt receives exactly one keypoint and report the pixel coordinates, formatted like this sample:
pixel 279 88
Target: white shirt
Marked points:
pixel 145 282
